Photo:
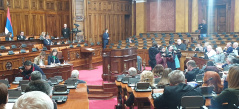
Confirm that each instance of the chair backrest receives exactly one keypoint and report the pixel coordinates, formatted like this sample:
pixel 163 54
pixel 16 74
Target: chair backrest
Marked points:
pixel 192 102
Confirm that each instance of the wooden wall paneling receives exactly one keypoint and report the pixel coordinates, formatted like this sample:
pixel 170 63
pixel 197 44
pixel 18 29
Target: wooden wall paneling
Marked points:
pixel 1 4
pixel 2 21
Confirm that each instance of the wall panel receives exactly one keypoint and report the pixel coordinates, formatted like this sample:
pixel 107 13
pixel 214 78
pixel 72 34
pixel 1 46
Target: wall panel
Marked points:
pixel 109 14
pixel 36 16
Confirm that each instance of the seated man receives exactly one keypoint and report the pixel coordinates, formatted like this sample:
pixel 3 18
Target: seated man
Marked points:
pixel 190 75
pixel 133 72
pixel 28 68
pixel 47 41
pixel 172 95
pixel 228 48
pixel 36 75
pixel 210 52
pixel 33 100
pixel 42 86
pixel 180 45
pixel 75 74
pixel 21 36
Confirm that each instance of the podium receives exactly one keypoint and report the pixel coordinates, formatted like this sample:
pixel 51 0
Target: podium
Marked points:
pixel 116 61
pixel 88 53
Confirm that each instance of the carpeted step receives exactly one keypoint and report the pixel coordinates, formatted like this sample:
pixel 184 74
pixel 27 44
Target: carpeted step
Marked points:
pixel 96 91
pixel 100 96
pixel 109 85
pixel 95 86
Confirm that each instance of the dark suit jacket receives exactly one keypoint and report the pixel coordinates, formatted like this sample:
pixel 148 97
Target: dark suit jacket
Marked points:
pixel 181 46
pixel 65 32
pixel 191 75
pixel 21 38
pixel 229 50
pixel 51 60
pixel 202 28
pixel 172 95
pixel 46 43
pixel 26 73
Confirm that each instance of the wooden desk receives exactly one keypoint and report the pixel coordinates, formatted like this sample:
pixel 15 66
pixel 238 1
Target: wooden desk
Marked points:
pixel 64 70
pixel 76 98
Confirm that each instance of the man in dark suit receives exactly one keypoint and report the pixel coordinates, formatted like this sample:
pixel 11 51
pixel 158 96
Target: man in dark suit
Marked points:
pixel 28 68
pixel 180 45
pixel 203 29
pixel 192 70
pixel 9 37
pixel 105 38
pixel 21 36
pixel 172 95
pixel 153 51
pixel 47 41
pixel 65 31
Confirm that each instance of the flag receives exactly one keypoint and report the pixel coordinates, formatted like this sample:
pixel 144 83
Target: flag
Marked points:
pixel 8 27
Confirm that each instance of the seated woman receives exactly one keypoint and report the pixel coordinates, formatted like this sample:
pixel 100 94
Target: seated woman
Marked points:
pixel 158 70
pixel 52 58
pixel 75 74
pixel 210 67
pixel 215 82
pixel 40 59
pixel 220 56
pixel 145 76
pixel 4 95
pixel 164 81
pixel 231 94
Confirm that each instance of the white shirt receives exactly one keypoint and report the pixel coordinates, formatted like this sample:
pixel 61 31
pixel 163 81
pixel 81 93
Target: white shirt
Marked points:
pixel 211 53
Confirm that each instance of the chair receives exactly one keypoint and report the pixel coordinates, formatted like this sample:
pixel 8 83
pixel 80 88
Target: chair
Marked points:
pixel 126 46
pixel 215 46
pixel 118 47
pixel 92 43
pixel 226 36
pixel 163 44
pixel 222 42
pixel 13 46
pixel 156 35
pixel 34 50
pixel 78 45
pixel 219 38
pixel 110 47
pixel 23 45
pixel 195 41
pixel 145 41
pixel 136 44
pixel 85 44
pixel 195 102
pixel 71 46
pixel 217 35
pixel 224 33
pixel 136 41
pixel 229 38
pixel 144 47
pixel 189 35
pixel 145 44
pixel 62 42
pixel 69 42
pixel 22 51
pixel 213 42
pixel 162 33
pixel 44 49
pixel 2 47
pixel 190 49
pixel 148 35
pixel 210 38
pixel 203 41
pixel 152 38
pixel 140 35
pixel 232 33
pixel 11 52
pixel 144 38
pixel 235 36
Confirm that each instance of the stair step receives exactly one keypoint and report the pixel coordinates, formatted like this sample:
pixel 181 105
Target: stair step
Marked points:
pixel 95 86
pixel 100 96
pixel 96 91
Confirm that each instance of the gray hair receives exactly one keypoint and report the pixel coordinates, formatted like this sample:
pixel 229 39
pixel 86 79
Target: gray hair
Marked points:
pixel 230 58
pixel 36 75
pixel 39 85
pixel 132 71
pixel 33 100
pixel 75 74
pixel 219 49
pixel 176 77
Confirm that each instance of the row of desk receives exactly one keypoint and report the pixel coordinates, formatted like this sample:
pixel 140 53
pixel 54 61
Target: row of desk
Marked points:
pixel 77 98
pixel 140 97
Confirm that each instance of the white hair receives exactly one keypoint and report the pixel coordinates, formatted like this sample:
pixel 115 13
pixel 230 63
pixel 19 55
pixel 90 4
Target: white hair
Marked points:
pixel 132 71
pixel 33 100
pixel 235 43
pixel 219 49
pixel 75 74
pixel 176 77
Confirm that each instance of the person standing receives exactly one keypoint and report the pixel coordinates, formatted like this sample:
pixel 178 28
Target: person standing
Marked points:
pixel 203 29
pixel 105 38
pixel 65 31
pixel 180 45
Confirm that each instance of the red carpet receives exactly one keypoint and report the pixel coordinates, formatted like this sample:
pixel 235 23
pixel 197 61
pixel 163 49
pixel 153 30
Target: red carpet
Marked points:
pixel 93 77
pixel 103 104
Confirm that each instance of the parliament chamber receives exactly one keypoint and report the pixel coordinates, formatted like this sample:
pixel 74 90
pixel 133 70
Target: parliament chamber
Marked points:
pixel 109 49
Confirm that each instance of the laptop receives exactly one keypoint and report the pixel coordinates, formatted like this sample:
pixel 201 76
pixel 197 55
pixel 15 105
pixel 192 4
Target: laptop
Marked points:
pixel 125 80
pixel 199 78
pixel 13 95
pixel 59 78
pixel 17 79
pixel 59 99
pixel 6 82
pixel 23 82
pixel 132 82
pixel 207 92
pixel 71 84
pixel 143 87
pixel 54 81
pixel 60 90
pixel 119 77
